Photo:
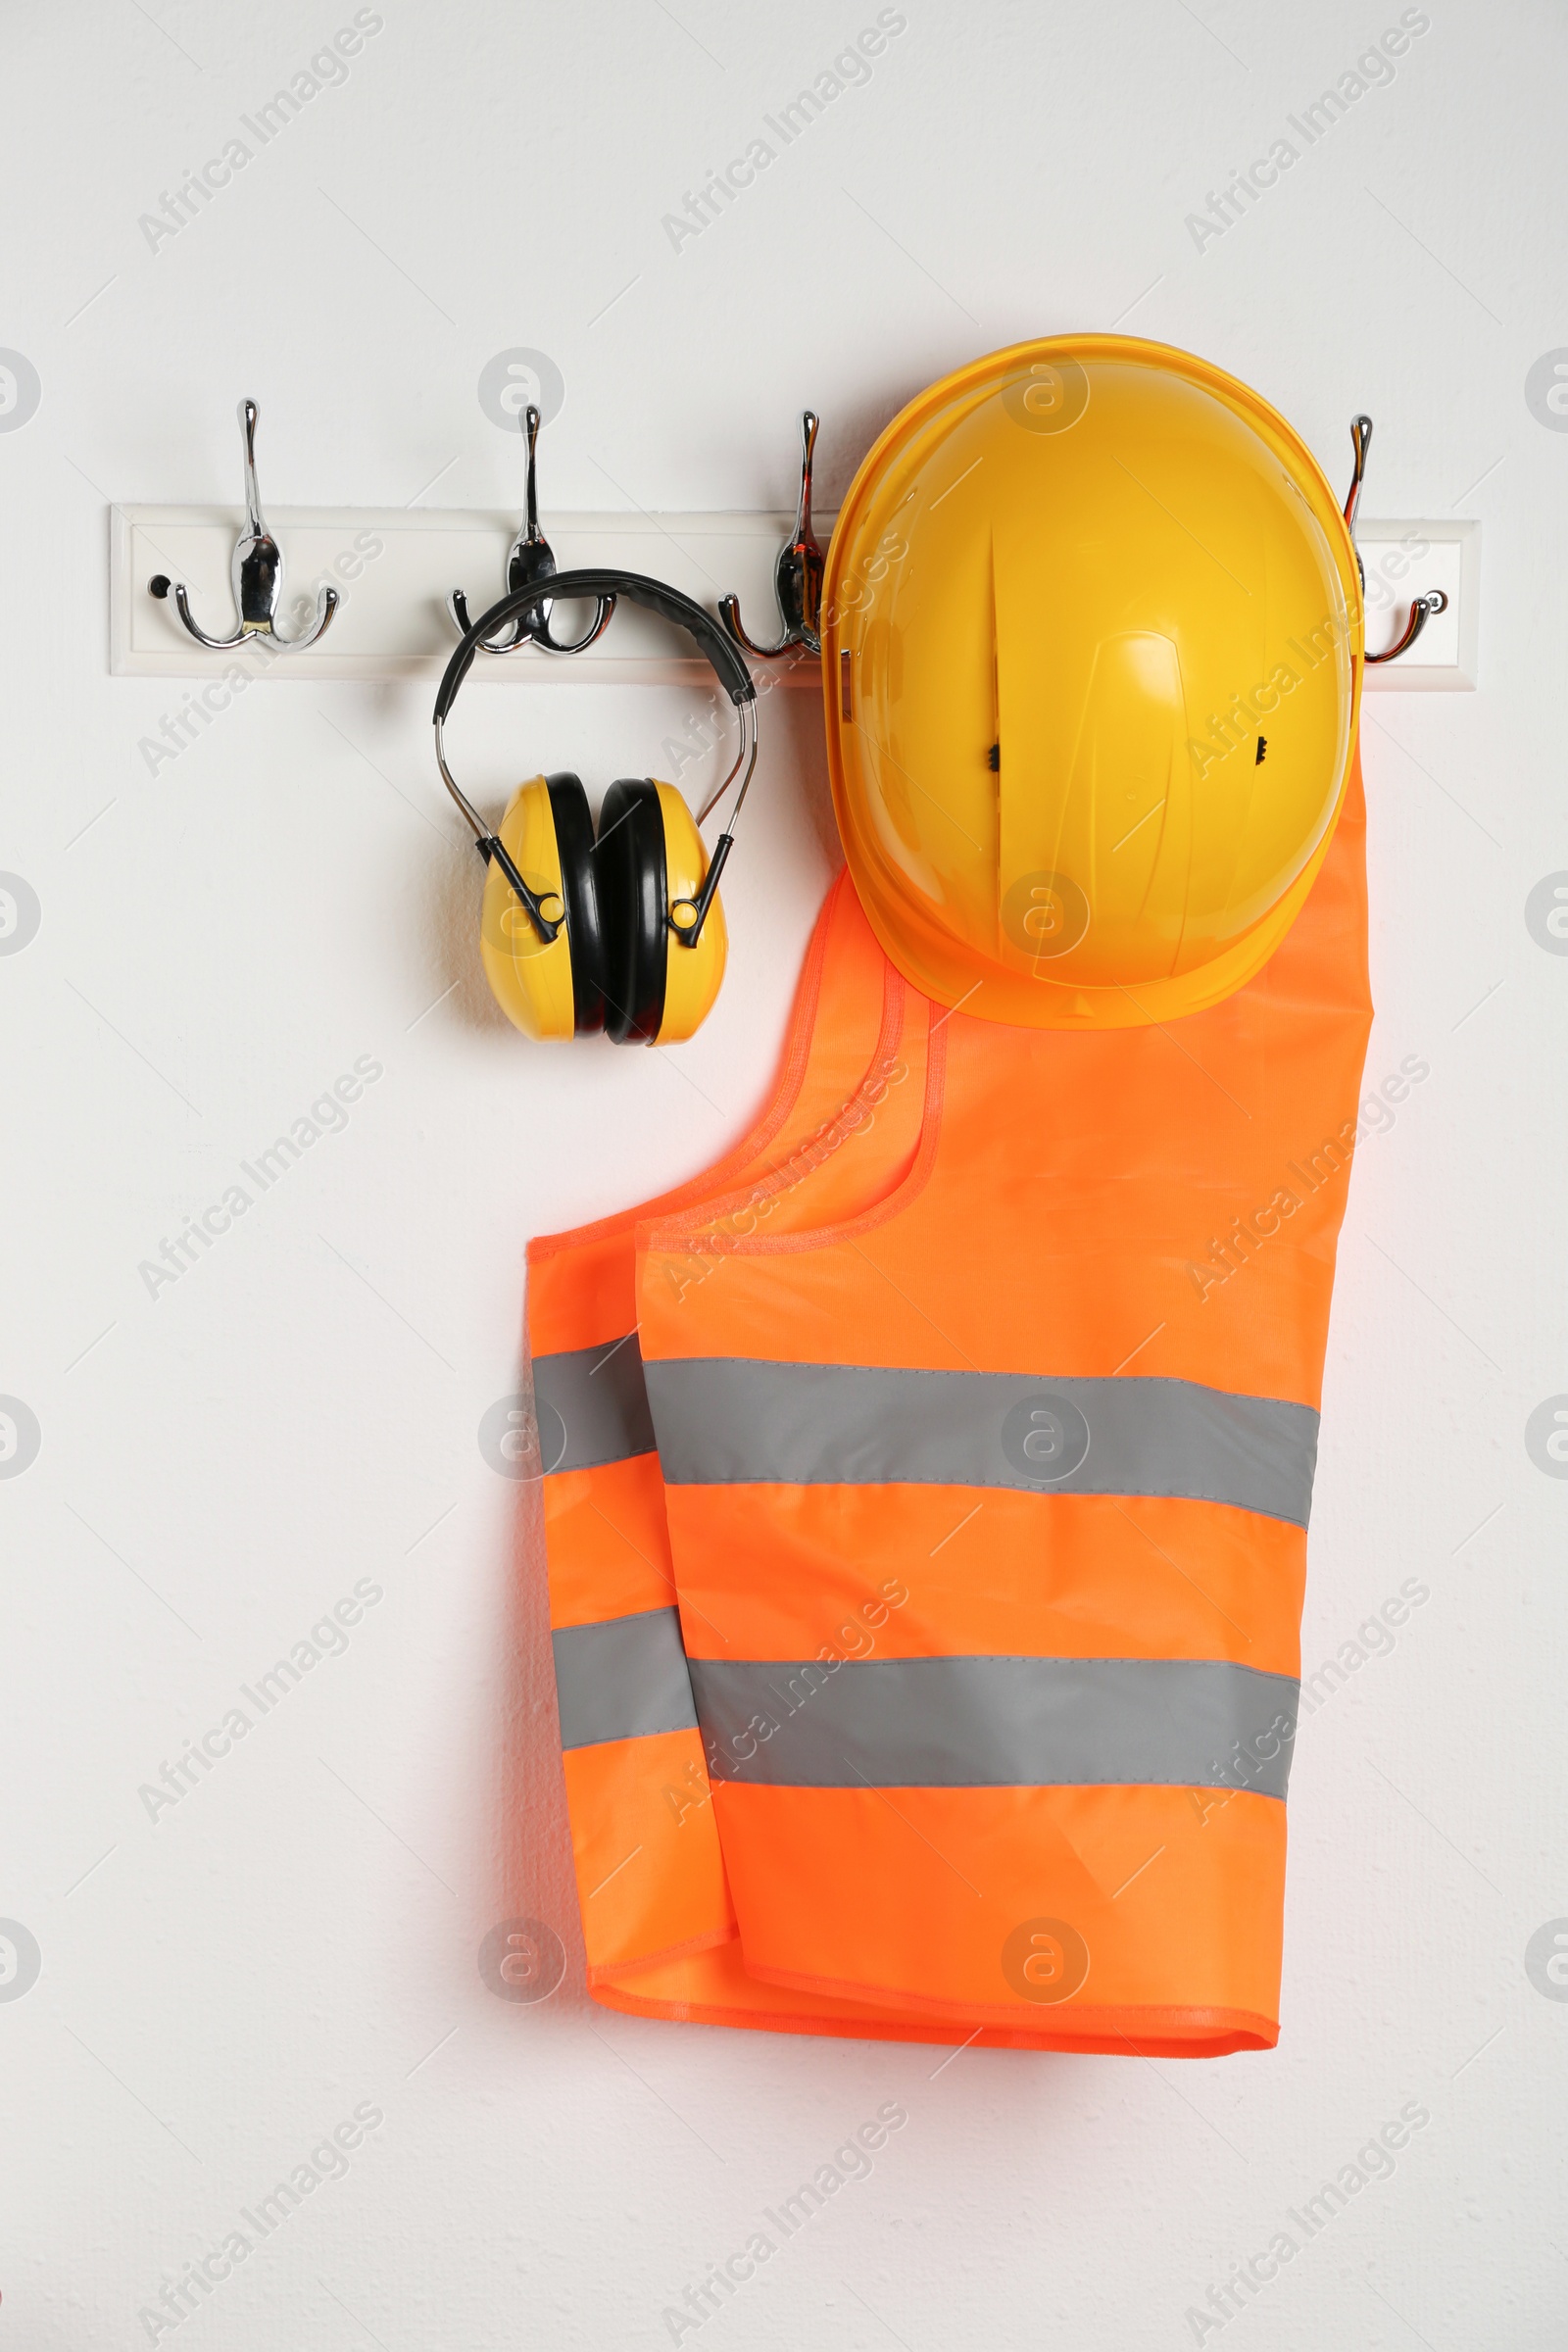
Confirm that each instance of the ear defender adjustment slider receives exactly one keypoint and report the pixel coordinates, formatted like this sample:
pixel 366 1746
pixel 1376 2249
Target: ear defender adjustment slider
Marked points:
pixel 546 915
pixel 688 916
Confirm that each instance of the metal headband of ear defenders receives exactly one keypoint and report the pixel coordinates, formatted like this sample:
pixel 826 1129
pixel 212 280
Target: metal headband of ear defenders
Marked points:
pixel 686 916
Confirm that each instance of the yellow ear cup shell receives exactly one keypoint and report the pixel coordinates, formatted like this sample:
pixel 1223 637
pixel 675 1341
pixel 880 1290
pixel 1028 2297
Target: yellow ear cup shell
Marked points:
pixel 530 977
pixel 693 975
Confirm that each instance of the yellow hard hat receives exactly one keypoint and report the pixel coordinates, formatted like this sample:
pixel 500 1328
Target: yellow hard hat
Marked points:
pixel 1092 635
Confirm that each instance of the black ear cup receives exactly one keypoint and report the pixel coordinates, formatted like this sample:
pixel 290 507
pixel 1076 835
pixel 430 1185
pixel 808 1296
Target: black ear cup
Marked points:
pixel 579 890
pixel 629 864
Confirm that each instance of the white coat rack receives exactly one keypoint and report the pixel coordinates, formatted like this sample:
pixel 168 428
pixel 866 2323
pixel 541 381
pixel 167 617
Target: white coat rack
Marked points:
pixel 367 593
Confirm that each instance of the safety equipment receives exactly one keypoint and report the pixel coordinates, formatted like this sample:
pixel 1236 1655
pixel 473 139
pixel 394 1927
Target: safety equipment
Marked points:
pixel 623 933
pixel 1092 635
pixel 937 1676
pixel 609 965
pixel 1043 1421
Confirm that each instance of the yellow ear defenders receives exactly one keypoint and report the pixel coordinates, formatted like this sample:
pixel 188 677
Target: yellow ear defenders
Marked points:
pixel 625 932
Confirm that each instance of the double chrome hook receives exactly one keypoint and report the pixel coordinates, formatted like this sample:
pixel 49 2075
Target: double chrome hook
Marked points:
pixel 531 561
pixel 1423 606
pixel 797 574
pixel 254 572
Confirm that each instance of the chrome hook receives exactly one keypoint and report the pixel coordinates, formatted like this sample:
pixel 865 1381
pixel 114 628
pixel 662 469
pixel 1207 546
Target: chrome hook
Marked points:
pixel 254 572
pixel 797 576
pixel 531 561
pixel 1423 606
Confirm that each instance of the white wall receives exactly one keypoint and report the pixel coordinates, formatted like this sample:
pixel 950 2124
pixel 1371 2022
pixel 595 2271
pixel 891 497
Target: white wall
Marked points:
pixel 219 940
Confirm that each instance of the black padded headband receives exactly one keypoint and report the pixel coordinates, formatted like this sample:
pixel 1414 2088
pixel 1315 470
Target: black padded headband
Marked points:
pixel 671 604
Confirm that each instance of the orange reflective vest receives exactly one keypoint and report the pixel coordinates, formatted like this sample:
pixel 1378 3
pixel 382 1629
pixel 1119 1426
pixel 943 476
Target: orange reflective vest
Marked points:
pixel 1041 1422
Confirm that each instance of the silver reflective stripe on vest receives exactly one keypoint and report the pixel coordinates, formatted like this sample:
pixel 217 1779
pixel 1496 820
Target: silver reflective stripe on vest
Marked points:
pixel 733 1420
pixel 592 1406
pixel 622 1679
pixel 998 1723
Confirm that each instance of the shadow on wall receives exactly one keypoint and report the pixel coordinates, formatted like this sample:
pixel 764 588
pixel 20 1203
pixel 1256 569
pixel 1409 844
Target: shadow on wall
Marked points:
pixel 533 1878
pixel 850 433
pixel 797 763
pixel 452 894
